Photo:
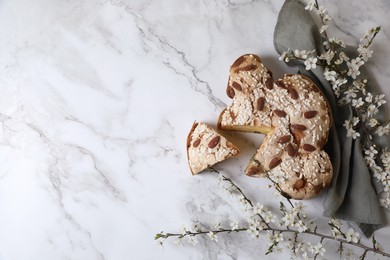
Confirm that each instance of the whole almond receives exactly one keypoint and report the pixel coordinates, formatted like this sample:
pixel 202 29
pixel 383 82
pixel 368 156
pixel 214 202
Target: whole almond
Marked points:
pixel 196 143
pixel 314 88
pixel 213 142
pixel 310 114
pixel 269 83
pixel 239 61
pixel 293 93
pixel 274 162
pixel 237 86
pixel 284 139
pixel 280 113
pixel 230 92
pixel 280 84
pixel 248 67
pixel 298 127
pixel 299 184
pixel 253 170
pixel 291 150
pixel 232 115
pixel 308 147
pixel 260 103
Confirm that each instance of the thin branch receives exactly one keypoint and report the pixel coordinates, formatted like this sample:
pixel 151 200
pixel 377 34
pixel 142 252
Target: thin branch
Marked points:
pixel 321 236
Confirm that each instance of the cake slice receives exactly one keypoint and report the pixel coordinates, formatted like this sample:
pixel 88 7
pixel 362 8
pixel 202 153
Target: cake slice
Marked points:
pixel 206 147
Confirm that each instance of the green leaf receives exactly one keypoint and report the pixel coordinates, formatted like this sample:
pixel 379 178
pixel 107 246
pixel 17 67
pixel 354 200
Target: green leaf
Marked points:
pixel 211 169
pixel 374 242
pixel 282 207
pixel 256 161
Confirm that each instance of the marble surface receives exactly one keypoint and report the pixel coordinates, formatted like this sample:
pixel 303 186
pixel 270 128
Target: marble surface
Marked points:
pixel 97 98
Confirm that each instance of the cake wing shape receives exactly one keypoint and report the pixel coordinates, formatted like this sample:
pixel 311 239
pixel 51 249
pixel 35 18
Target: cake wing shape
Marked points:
pixel 206 147
pixel 293 113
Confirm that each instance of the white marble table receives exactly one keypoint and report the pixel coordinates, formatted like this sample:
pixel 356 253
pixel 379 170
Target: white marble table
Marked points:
pixel 97 98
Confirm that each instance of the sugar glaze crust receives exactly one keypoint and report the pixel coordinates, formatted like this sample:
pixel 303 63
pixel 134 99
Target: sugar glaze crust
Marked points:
pixel 206 147
pixel 293 113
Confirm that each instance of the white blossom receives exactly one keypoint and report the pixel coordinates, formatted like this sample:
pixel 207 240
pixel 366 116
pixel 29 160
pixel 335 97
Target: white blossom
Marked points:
pixel 385 202
pixel 385 157
pixel 370 161
pixel 301 226
pixel 298 208
pixel 365 52
pixel 354 135
pixel 357 102
pixel 369 97
pixel 258 208
pixel 350 94
pixel 327 56
pixel 254 223
pixel 360 85
pixel 355 120
pixel 288 219
pixel 277 176
pixel 372 152
pixel 321 10
pixel 213 236
pixel 349 126
pixel 310 5
pixel 354 66
pixel 178 242
pixel 380 100
pixel 383 130
pixel 319 249
pixel 253 232
pixel 254 228
pixel 337 42
pixel 278 195
pixel 336 226
pixel 234 225
pixel 244 202
pixel 192 240
pixel 342 57
pixel 284 56
pixel 380 175
pixel 269 217
pixel 336 86
pixel 373 122
pixel 196 226
pixel 218 225
pixel 184 229
pixel 220 177
pixel 323 28
pixel 300 54
pixel 330 75
pixel 386 185
pixel 372 110
pixel 310 63
pixel 278 237
pixel 352 236
pixel 326 18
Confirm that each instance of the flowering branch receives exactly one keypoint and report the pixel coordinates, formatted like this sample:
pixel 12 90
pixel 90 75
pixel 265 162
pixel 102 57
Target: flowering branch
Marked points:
pixel 274 234
pixel 243 196
pixel 343 74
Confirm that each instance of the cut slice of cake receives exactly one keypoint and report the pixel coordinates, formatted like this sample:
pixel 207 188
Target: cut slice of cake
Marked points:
pixel 206 147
